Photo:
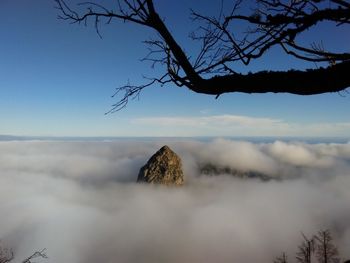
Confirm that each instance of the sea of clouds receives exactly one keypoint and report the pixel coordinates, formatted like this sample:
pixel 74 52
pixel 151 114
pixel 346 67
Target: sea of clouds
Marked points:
pixel 79 200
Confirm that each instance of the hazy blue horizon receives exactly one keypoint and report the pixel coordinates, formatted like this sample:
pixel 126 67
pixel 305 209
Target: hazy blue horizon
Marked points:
pixel 253 139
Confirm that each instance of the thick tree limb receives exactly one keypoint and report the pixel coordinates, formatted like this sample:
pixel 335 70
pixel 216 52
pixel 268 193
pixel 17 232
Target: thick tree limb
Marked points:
pixel 310 82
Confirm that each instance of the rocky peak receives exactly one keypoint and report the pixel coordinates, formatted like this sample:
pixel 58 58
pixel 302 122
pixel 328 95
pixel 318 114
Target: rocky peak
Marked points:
pixel 164 167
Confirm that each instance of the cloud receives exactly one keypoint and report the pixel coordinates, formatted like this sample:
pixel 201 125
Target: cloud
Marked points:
pixel 209 125
pixel 236 125
pixel 81 202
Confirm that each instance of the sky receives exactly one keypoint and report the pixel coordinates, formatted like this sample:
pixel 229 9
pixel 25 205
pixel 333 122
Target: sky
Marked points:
pixel 56 79
pixel 79 200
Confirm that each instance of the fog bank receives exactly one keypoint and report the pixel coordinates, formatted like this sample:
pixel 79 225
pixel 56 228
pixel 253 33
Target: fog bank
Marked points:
pixel 80 201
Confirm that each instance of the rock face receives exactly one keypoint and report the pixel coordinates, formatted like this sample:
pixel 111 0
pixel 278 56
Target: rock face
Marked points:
pixel 164 167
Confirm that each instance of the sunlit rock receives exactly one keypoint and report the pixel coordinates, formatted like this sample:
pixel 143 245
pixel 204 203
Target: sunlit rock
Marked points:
pixel 164 167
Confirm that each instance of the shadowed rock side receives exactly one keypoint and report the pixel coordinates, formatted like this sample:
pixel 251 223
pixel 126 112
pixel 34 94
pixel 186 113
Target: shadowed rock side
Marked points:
pixel 213 170
pixel 164 167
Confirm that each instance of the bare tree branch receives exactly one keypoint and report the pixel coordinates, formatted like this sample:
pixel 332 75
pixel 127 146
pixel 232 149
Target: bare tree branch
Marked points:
pixel 326 251
pixel 37 254
pixel 281 259
pixel 305 250
pixel 6 255
pixel 273 24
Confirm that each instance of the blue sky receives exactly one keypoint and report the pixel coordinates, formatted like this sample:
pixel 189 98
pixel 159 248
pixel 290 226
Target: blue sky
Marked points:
pixel 57 79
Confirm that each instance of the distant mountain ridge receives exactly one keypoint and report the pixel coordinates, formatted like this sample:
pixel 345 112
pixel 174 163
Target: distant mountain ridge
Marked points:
pixel 214 170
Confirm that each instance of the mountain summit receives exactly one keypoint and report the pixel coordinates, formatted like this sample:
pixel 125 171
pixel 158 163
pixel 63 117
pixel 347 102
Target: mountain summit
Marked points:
pixel 164 167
